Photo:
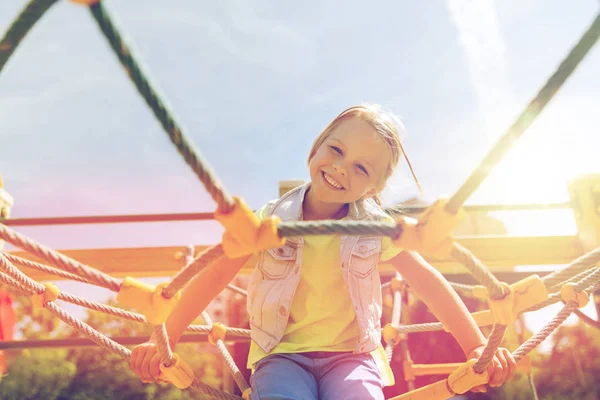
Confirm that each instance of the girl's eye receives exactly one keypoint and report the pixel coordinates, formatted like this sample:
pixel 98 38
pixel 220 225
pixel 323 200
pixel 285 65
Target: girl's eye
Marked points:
pixel 336 149
pixel 362 169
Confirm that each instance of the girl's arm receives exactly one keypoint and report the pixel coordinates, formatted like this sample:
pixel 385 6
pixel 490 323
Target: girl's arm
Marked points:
pixel 199 292
pixel 195 297
pixel 432 288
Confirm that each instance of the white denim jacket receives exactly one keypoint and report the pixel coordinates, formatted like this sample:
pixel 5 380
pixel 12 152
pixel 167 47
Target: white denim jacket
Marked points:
pixel 275 278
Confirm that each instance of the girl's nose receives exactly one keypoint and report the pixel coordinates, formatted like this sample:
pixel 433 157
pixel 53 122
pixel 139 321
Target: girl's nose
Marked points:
pixel 341 170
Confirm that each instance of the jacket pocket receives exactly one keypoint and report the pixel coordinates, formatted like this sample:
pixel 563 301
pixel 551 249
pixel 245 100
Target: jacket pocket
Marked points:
pixel 276 263
pixel 365 256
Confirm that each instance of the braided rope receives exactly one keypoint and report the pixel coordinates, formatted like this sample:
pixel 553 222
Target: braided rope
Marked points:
pixel 464 289
pixel 373 228
pixel 164 347
pixel 233 332
pixel 233 368
pixel 540 336
pixel 41 267
pixel 577 266
pixel 491 346
pixel 103 308
pixel 526 118
pixel 21 25
pixel 20 278
pixel 479 271
pixel 576 278
pixel 100 339
pixel 593 284
pixel 162 112
pixel 189 271
pixel 238 290
pixel 60 260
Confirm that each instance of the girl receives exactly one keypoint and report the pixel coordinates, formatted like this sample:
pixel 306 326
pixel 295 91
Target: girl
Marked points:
pixel 315 303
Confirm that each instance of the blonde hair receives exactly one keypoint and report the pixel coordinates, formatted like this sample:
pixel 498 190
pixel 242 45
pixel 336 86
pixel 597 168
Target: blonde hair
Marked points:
pixel 385 124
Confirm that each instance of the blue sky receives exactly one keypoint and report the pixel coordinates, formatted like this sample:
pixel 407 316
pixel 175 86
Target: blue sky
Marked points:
pixel 253 84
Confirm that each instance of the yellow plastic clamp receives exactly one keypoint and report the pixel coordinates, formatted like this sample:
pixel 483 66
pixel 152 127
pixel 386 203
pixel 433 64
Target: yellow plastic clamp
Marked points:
pixel 568 293
pixel 179 373
pixel 217 332
pixel 247 393
pixel 521 296
pixel 51 293
pixel 465 378
pixel 397 283
pixel 147 299
pixel 503 309
pixel 391 334
pixel 432 233
pixel 245 234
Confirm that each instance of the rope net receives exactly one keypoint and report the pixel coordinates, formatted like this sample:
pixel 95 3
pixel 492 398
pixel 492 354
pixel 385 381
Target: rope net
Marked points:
pixel 571 284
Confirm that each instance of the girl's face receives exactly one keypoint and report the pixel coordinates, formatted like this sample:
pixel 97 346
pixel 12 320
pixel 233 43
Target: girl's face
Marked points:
pixel 350 164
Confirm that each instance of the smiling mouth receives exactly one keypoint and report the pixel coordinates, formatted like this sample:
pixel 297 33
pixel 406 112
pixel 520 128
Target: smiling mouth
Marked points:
pixel 330 181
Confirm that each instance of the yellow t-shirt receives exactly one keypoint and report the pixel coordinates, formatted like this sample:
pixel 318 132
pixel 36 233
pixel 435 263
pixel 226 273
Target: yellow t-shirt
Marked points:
pixel 322 317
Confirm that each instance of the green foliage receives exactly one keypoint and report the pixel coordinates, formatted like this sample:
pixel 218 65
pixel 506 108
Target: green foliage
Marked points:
pixel 40 374
pixel 91 373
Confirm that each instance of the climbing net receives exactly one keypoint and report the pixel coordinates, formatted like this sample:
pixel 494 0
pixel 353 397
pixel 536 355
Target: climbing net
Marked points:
pixel 245 234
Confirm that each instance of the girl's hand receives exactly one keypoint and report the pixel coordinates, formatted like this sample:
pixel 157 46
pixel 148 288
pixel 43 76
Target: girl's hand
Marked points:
pixel 501 369
pixel 145 362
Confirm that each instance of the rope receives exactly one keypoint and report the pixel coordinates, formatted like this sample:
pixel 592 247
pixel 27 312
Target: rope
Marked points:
pixel 306 228
pixel 233 332
pixel 556 297
pixel 489 351
pixel 165 116
pixel 580 264
pixel 41 267
pixel 22 24
pixel 532 386
pixel 189 271
pixel 464 289
pixel 587 319
pixel 479 271
pixel 164 347
pixel 576 278
pixel 20 278
pixel 533 109
pixel 233 368
pixel 237 290
pixel 60 260
pixel 540 336
pixel 119 350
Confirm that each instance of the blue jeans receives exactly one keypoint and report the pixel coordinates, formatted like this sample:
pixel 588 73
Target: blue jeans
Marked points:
pixel 317 376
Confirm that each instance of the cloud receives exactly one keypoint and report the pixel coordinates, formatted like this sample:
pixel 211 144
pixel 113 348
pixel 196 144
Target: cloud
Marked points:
pixel 480 37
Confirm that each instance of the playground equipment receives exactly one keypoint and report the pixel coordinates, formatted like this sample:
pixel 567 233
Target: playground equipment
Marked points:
pixel 244 234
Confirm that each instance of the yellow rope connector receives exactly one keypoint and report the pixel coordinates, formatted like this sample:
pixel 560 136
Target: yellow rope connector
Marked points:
pixel 51 293
pixel 568 293
pixel 247 393
pixel 464 378
pixel 460 381
pixel 397 283
pixel 217 332
pixel 147 299
pixel 391 334
pixel 179 373
pixel 432 233
pixel 245 234
pixel 521 296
